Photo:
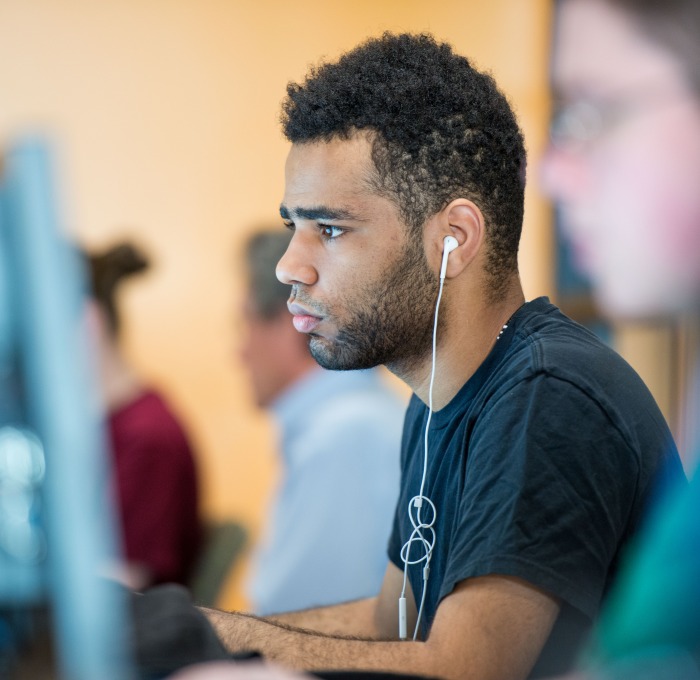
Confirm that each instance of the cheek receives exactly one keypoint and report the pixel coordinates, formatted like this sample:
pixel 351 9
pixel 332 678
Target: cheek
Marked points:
pixel 651 204
pixel 614 228
pixel 669 220
pixel 648 198
pixel 618 227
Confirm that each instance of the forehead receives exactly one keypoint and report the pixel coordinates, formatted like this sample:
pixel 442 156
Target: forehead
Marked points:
pixel 598 49
pixel 336 171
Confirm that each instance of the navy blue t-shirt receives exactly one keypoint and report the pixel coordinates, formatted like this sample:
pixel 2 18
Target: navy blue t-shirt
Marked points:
pixel 540 468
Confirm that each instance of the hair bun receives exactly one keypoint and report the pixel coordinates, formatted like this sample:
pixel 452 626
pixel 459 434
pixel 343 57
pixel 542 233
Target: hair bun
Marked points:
pixel 123 260
pixel 108 269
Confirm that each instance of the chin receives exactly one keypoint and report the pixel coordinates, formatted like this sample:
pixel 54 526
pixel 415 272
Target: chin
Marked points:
pixel 340 357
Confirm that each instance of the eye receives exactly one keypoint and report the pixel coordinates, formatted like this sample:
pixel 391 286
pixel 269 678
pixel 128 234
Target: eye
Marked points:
pixel 289 225
pixel 329 232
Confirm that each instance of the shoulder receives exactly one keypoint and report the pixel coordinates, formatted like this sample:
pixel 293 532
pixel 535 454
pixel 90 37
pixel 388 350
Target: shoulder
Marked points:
pixel 550 345
pixel 363 423
pixel 357 398
pixel 562 388
pixel 148 424
pixel 548 340
pixel 549 374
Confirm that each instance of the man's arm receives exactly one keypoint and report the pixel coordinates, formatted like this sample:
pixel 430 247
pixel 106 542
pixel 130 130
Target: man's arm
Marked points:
pixel 349 619
pixel 373 618
pixel 488 627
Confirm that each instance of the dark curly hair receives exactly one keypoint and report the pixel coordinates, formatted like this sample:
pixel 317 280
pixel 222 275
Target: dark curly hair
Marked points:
pixel 440 130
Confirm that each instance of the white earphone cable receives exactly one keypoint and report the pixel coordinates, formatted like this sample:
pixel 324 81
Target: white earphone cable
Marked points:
pixel 420 525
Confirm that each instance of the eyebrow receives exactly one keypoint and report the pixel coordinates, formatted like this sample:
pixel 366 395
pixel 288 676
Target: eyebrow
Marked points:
pixel 318 212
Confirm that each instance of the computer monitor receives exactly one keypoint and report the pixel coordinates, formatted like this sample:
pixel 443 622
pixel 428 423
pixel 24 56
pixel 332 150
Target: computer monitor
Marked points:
pixel 57 525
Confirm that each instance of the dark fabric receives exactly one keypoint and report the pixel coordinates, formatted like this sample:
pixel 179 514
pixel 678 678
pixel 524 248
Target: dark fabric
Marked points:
pixel 156 488
pixel 540 468
pixel 169 632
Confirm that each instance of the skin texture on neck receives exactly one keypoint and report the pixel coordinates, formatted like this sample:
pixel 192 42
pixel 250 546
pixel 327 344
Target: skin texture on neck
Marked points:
pixel 120 384
pixel 468 336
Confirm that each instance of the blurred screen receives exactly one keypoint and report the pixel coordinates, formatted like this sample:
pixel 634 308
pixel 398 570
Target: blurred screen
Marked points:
pixel 57 530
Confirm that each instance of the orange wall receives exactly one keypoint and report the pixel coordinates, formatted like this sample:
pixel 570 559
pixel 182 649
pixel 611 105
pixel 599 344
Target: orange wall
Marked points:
pixel 165 116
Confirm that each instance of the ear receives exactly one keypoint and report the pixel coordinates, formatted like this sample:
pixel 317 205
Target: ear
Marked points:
pixel 462 219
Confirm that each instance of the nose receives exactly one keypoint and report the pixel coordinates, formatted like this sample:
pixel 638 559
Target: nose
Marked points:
pixel 295 266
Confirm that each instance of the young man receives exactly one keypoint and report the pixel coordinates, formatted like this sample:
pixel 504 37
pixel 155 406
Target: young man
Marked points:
pixel 543 446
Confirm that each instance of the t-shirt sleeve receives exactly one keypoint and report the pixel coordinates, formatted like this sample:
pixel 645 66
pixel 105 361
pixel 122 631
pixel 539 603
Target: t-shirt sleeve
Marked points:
pixel 548 488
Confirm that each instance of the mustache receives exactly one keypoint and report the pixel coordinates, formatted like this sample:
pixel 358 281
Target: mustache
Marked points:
pixel 303 298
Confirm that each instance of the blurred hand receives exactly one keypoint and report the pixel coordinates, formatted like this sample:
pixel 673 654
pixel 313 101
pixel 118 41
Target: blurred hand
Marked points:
pixel 169 632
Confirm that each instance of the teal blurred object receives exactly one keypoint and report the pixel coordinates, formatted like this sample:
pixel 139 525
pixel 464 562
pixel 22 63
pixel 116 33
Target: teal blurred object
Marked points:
pixel 57 529
pixel 653 616
pixel 223 544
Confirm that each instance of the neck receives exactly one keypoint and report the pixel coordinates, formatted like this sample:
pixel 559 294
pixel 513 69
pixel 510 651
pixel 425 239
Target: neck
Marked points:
pixel 464 340
pixel 119 382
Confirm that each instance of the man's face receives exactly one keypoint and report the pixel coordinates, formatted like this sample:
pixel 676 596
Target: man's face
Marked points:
pixel 624 164
pixel 361 288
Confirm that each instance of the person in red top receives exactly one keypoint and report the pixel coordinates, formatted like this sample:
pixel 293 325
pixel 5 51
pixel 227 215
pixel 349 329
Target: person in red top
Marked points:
pixel 154 466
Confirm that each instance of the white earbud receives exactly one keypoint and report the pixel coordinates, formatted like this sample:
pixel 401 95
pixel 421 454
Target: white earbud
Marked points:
pixel 449 244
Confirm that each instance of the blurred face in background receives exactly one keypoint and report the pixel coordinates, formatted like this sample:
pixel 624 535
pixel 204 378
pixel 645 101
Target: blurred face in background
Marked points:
pixel 624 162
pixel 272 351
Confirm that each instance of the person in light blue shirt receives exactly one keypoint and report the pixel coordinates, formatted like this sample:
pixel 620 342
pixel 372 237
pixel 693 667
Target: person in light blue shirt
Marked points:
pixel 339 439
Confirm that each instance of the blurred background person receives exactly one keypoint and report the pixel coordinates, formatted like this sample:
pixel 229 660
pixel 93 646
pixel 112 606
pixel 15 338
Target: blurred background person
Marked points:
pixel 624 167
pixel 339 441
pixel 154 466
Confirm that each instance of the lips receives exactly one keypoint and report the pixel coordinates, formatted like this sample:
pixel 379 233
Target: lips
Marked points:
pixel 303 321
